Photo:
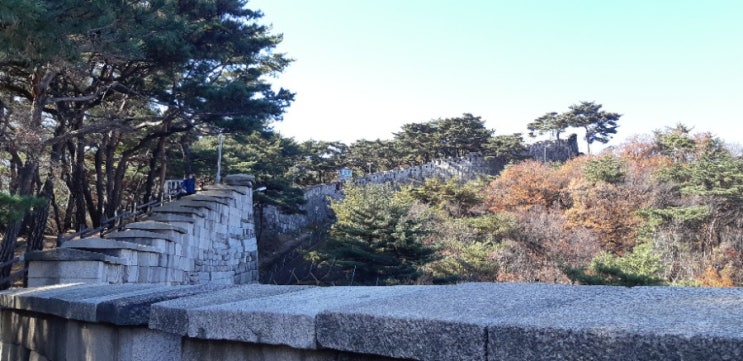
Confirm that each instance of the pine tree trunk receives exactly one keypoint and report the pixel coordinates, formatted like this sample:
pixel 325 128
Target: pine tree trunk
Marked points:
pixel 10 240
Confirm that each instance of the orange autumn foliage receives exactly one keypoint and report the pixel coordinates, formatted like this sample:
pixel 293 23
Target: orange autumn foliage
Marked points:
pixel 608 210
pixel 714 278
pixel 525 185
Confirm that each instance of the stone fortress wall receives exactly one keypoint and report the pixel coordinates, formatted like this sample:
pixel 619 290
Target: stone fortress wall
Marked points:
pixel 474 321
pixel 555 150
pixel 208 237
pixel 469 167
pixel 317 209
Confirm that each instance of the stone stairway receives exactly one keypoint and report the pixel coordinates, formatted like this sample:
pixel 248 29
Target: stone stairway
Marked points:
pixel 208 237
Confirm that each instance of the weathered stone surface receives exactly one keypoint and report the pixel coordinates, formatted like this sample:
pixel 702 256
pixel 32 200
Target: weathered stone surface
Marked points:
pixel 77 302
pixel 151 225
pixel 135 310
pixel 168 217
pixel 195 204
pixel 244 180
pixel 286 319
pixel 69 254
pixel 227 188
pixel 461 322
pixel 141 344
pixel 176 209
pixel 641 323
pixel 437 323
pixel 107 244
pixel 131 234
pixel 201 197
pixel 222 193
pixel 173 316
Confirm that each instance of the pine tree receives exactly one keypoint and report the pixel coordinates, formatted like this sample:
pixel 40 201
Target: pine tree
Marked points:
pixel 377 239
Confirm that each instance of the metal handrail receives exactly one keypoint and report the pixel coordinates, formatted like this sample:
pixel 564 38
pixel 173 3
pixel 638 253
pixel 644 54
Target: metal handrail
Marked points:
pixel 109 225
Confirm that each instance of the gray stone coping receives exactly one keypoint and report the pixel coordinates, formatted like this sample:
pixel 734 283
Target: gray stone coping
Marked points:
pixel 71 254
pixel 169 217
pixel 173 316
pixel 128 234
pixel 244 180
pixel 200 197
pixel 122 304
pixel 195 204
pixel 174 208
pixel 152 225
pixel 220 193
pixel 227 188
pixel 478 321
pixel 282 319
pixel 103 243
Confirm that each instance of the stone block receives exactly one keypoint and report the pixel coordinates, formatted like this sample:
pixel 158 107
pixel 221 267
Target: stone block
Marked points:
pixel 115 273
pixel 175 219
pixel 159 275
pixel 148 259
pixel 640 323
pixel 142 344
pixel 63 269
pixel 240 180
pixel 134 310
pixel 42 334
pixel 129 235
pixel 288 319
pixel 90 341
pixel 69 254
pixel 174 316
pixel 438 323
pixel 131 274
pixel 11 351
pixel 108 247
pixel 175 209
pixel 176 277
pixel 151 225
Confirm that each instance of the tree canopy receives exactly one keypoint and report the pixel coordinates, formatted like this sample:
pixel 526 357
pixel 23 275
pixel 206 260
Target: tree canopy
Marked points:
pixel 598 125
pixel 95 95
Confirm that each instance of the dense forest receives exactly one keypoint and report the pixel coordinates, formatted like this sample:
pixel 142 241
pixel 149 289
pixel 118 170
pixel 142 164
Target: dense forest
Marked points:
pixel 102 101
pixel 663 209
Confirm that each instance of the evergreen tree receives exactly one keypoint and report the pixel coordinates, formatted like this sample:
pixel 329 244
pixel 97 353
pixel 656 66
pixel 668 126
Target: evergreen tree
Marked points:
pixel 377 239
pixel 269 157
pixel 599 125
pixel 551 122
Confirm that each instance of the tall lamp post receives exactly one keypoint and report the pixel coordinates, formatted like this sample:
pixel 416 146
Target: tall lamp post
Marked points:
pixel 219 159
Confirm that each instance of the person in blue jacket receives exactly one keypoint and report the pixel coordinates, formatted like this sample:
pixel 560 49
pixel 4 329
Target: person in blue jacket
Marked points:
pixel 189 184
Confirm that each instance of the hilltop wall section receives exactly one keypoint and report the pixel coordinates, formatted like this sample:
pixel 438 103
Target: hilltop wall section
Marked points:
pixel 317 210
pixel 466 168
pixel 555 150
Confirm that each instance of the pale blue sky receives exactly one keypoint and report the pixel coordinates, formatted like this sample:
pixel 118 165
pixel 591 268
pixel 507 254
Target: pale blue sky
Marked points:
pixel 364 68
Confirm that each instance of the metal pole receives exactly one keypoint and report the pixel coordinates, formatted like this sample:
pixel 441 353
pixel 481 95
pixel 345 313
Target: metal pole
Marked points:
pixel 219 159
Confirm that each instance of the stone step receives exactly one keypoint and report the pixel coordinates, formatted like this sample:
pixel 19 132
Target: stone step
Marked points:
pixel 102 244
pixel 200 197
pixel 170 217
pixel 71 254
pixel 194 204
pixel 173 208
pixel 131 234
pixel 227 188
pixel 152 225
